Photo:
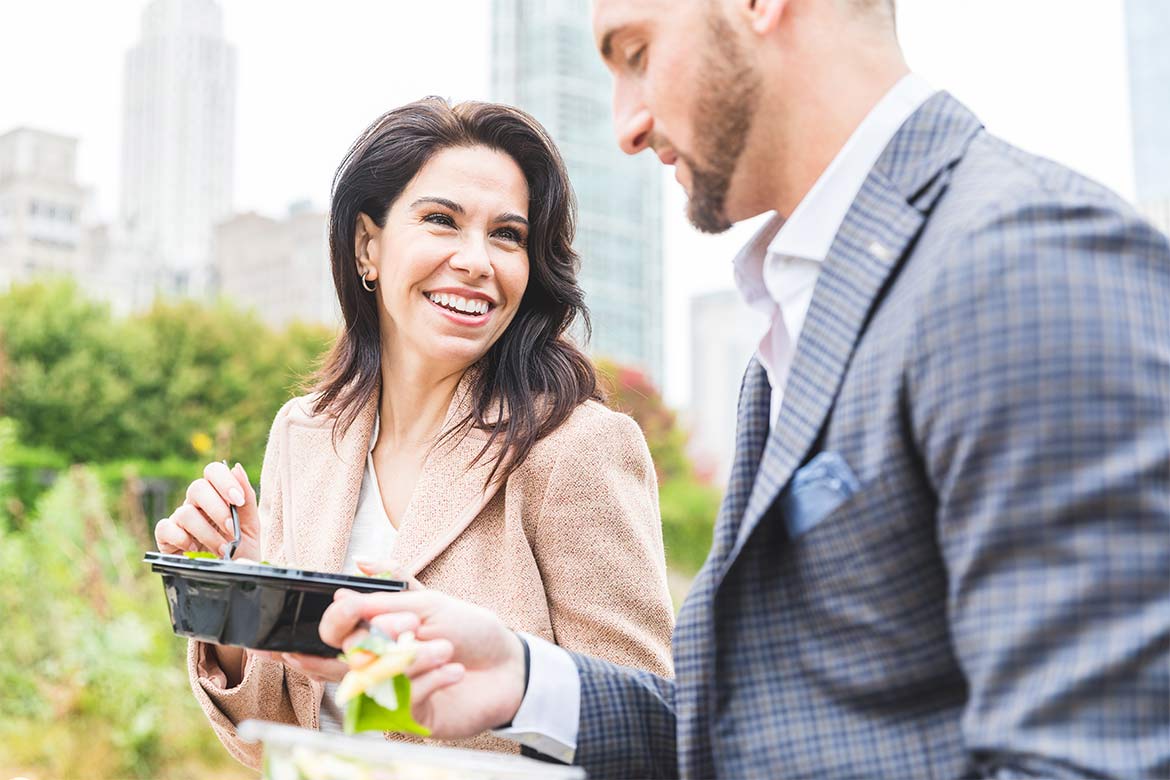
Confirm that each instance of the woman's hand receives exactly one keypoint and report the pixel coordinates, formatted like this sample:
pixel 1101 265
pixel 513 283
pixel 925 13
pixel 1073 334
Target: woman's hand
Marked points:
pixel 316 667
pixel 468 672
pixel 204 522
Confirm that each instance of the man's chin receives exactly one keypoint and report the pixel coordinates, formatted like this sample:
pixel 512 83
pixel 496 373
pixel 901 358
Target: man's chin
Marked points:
pixel 707 217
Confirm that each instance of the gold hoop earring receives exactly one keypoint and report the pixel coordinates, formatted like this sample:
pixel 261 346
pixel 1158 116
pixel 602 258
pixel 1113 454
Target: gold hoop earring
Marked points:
pixel 366 284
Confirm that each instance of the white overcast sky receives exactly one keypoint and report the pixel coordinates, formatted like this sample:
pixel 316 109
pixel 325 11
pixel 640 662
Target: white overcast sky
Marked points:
pixel 1049 75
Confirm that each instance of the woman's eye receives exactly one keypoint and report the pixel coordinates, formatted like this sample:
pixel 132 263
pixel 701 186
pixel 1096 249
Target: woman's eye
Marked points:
pixel 439 219
pixel 509 234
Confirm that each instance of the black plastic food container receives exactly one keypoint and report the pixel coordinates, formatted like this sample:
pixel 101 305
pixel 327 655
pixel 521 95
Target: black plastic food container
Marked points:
pixel 254 605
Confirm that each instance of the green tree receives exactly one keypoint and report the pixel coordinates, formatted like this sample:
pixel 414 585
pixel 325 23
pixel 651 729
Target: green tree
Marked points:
pixel 687 504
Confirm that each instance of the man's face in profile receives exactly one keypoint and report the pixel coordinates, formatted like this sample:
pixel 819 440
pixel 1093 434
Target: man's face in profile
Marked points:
pixel 684 86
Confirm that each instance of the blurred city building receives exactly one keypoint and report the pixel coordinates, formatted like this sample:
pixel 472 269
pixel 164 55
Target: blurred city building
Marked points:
pixel 1147 25
pixel 178 139
pixel 725 333
pixel 544 61
pixel 41 206
pixel 278 268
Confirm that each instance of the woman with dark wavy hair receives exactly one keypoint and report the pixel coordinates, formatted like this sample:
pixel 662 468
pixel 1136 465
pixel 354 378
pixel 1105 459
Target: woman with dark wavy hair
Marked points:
pixel 455 436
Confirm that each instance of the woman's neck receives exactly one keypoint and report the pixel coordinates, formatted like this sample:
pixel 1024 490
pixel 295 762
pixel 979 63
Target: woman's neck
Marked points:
pixel 415 400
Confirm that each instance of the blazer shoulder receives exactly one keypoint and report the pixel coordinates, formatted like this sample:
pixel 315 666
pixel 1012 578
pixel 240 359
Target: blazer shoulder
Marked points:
pixel 299 411
pixel 591 428
pixel 1000 184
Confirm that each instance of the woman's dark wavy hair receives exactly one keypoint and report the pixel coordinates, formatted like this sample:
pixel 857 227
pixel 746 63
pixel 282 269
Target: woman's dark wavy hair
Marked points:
pixel 532 378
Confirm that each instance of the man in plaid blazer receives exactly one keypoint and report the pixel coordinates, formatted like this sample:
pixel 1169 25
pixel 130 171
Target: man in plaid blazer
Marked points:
pixel 945 546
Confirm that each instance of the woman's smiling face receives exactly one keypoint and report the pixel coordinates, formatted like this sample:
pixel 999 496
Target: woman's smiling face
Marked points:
pixel 451 262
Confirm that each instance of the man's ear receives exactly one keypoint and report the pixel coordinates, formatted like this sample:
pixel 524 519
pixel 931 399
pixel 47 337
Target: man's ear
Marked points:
pixel 365 245
pixel 763 15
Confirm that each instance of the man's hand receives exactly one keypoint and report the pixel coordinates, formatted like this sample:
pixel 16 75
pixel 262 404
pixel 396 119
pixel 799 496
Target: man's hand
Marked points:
pixel 468 674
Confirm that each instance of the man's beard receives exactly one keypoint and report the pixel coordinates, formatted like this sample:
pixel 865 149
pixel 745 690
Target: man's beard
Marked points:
pixel 728 90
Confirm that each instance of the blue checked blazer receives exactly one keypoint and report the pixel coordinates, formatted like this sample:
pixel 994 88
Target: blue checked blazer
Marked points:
pixel 950 557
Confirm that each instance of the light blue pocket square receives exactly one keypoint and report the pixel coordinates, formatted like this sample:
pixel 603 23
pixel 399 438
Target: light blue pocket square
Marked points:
pixel 822 485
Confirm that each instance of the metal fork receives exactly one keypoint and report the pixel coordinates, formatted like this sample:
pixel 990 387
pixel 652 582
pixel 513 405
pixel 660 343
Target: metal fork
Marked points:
pixel 235 543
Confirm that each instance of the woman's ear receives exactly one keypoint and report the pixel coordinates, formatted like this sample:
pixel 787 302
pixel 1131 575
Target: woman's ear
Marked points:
pixel 365 246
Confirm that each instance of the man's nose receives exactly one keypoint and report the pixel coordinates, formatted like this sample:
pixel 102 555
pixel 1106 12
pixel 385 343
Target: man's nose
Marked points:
pixel 633 130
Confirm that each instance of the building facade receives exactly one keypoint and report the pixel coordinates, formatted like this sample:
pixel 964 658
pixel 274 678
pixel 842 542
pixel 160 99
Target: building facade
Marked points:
pixel 725 333
pixel 1148 43
pixel 41 206
pixel 178 140
pixel 278 268
pixel 543 61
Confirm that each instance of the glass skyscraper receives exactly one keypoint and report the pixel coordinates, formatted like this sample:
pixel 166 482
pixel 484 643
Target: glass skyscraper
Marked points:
pixel 1148 36
pixel 544 61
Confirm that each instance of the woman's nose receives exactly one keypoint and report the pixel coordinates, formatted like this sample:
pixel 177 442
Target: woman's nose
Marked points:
pixel 473 260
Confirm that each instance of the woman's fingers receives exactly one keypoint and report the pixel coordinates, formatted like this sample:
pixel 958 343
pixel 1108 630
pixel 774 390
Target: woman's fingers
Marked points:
pixel 245 484
pixel 226 484
pixel 204 495
pixel 171 538
pixel 196 524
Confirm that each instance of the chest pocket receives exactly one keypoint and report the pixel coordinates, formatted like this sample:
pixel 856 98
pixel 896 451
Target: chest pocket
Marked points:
pixel 822 485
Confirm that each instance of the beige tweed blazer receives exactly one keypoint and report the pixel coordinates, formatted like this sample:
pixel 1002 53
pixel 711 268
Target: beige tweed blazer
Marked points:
pixel 569 548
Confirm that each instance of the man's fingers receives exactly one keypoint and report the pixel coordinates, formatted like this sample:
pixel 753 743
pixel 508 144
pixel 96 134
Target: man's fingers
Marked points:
pixel 426 685
pixel 395 623
pixel 429 656
pixel 346 612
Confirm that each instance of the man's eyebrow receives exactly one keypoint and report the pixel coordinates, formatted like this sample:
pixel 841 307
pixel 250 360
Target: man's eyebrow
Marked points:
pixel 510 217
pixel 450 204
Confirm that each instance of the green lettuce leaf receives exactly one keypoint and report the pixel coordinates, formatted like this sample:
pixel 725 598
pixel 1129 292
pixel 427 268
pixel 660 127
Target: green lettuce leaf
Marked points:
pixel 362 713
pixel 201 554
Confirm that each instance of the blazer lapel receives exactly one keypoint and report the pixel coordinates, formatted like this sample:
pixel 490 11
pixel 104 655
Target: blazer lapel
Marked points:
pixel 322 500
pixel 449 495
pixel 876 235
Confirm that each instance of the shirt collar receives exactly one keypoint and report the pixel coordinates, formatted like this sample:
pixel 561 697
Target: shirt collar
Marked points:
pixel 809 232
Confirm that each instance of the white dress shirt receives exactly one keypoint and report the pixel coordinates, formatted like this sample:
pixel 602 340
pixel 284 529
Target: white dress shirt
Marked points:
pixel 373 538
pixel 776 272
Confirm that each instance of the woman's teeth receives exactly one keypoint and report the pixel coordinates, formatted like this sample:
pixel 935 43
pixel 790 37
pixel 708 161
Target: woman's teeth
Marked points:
pixel 459 304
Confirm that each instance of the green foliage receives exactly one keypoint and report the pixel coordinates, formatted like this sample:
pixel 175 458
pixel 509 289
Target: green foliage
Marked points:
pixel 93 388
pixel 631 391
pixel 93 678
pixel 688 506
pixel 688 522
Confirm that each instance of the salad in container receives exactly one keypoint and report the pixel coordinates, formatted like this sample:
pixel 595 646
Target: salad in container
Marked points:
pixel 292 753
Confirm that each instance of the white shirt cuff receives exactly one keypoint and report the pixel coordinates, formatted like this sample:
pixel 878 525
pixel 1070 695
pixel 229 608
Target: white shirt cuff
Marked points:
pixel 549 716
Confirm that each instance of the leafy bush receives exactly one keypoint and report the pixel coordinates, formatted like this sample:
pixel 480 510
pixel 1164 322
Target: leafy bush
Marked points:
pixel 94 681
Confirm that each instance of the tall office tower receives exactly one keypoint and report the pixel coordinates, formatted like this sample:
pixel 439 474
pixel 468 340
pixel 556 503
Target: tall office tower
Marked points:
pixel 40 206
pixel 177 142
pixel 1147 25
pixel 278 268
pixel 543 60
pixel 725 333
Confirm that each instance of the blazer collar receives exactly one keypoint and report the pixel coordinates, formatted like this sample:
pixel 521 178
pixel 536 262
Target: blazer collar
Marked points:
pixel 878 233
pixel 320 508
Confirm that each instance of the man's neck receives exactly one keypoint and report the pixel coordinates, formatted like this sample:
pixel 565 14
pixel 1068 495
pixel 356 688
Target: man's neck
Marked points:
pixel 831 111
